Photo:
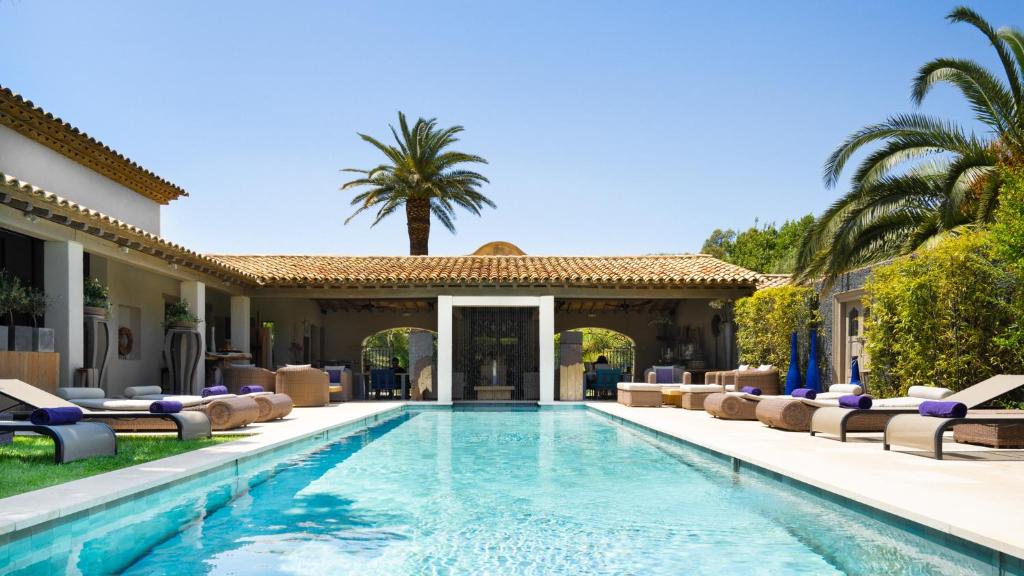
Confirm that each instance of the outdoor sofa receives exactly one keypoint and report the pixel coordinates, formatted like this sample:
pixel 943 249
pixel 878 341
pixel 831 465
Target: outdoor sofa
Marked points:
pixel 764 377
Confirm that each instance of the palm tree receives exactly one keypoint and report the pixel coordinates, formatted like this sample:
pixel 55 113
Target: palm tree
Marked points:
pixel 422 176
pixel 928 178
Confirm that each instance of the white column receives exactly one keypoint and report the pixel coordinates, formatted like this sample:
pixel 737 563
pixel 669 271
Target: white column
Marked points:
pixel 547 349
pixel 63 277
pixel 444 349
pixel 240 312
pixel 195 294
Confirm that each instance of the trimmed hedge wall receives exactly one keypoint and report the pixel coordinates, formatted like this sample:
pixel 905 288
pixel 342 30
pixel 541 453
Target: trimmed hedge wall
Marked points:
pixel 765 320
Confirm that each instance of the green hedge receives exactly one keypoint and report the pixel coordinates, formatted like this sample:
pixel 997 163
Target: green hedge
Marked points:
pixel 937 317
pixel 765 321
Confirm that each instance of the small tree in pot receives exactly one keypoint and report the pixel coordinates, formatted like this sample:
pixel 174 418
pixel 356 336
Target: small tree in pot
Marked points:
pixel 178 315
pixel 12 300
pixel 96 298
pixel 35 306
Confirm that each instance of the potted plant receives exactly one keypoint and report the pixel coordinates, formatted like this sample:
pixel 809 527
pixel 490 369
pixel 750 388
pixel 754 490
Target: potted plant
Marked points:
pixel 12 300
pixel 178 315
pixel 96 298
pixel 35 306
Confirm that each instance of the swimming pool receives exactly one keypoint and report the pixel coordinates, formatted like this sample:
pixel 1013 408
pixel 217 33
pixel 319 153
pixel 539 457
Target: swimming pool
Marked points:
pixel 485 492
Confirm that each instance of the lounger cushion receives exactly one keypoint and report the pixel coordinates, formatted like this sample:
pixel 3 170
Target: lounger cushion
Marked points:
pixel 83 393
pixel 134 391
pixel 852 389
pixel 638 387
pixel 700 388
pixel 901 402
pixel 133 405
pixel 186 400
pixel 928 392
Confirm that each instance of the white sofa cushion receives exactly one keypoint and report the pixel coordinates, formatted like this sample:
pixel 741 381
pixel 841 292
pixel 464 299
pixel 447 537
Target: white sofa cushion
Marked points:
pixel 744 367
pixel 846 389
pixel 81 393
pixel 928 392
pixel 765 367
pixel 638 387
pixel 133 391
pixel 700 388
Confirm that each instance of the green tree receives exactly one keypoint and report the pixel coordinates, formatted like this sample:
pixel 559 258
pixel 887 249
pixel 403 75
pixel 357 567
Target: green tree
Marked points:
pixel 928 177
pixel 767 248
pixel 422 176
pixel 765 321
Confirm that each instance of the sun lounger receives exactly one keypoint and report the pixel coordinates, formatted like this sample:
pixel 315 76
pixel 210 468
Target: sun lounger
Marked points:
pixel 71 441
pixel 839 421
pixel 21 398
pixel 743 406
pixel 926 432
pixel 270 405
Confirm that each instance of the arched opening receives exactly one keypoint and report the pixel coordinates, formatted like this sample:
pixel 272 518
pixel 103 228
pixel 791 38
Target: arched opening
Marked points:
pixel 400 363
pixel 595 349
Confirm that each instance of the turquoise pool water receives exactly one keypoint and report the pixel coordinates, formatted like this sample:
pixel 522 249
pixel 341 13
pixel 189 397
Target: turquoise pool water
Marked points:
pixel 486 492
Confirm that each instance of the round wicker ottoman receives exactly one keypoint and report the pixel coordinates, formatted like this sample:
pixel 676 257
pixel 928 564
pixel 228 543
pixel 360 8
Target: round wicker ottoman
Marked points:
pixel 230 413
pixel 272 406
pixel 785 413
pixel 730 407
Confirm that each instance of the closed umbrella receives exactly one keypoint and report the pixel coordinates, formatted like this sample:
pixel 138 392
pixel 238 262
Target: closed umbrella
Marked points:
pixel 793 376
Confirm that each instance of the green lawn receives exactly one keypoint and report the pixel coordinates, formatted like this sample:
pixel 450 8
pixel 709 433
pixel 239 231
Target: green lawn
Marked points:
pixel 27 464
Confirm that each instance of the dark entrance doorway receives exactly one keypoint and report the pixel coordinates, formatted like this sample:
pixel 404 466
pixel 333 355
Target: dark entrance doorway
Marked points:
pixel 495 354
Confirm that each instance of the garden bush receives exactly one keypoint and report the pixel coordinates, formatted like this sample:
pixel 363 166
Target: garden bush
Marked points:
pixel 939 316
pixel 765 321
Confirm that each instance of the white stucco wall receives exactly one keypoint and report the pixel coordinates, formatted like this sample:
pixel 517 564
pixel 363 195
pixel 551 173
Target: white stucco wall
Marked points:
pixel 131 286
pixel 36 164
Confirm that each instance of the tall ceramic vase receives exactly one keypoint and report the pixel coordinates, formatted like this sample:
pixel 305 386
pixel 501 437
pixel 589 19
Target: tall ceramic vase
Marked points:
pixel 183 350
pixel 813 378
pixel 793 376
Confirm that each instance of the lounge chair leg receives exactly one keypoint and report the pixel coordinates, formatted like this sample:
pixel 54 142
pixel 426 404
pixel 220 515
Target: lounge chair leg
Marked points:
pixel 885 446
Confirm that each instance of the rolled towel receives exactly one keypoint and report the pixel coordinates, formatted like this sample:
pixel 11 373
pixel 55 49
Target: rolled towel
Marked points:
pixel 56 416
pixel 751 390
pixel 808 393
pixel 941 409
pixel 861 402
pixel 165 407
pixel 214 391
pixel 250 389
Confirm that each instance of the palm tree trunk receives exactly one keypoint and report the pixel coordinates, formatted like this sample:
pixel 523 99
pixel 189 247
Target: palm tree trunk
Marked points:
pixel 417 217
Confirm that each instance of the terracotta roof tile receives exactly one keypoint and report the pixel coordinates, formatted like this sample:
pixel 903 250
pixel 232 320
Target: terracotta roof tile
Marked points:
pixel 774 280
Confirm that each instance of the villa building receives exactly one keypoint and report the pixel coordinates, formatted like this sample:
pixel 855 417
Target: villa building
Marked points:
pixel 72 208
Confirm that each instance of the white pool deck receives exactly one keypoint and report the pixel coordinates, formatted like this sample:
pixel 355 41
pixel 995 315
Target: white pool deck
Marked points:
pixel 974 493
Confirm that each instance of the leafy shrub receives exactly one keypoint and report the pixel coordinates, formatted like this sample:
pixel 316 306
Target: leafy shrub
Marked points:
pixel 765 321
pixel 937 316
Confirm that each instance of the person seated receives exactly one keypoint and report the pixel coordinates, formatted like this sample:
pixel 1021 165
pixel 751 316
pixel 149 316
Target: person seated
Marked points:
pixel 397 366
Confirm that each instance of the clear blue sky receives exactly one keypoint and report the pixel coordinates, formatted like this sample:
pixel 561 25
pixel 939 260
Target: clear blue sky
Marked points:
pixel 611 127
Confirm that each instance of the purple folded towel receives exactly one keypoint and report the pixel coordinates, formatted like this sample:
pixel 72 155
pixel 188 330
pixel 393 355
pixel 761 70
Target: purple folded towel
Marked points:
pixel 940 409
pixel 250 389
pixel 808 393
pixel 862 402
pixel 751 390
pixel 214 391
pixel 165 407
pixel 56 416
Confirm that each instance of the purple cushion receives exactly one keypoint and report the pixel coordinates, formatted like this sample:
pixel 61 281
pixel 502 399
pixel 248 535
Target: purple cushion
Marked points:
pixel 56 416
pixel 664 375
pixel 334 376
pixel 861 402
pixel 251 388
pixel 808 393
pixel 214 391
pixel 165 407
pixel 940 409
pixel 751 390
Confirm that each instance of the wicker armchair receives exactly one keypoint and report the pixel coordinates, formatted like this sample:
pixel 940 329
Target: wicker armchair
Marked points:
pixel 766 380
pixel 237 376
pixel 306 386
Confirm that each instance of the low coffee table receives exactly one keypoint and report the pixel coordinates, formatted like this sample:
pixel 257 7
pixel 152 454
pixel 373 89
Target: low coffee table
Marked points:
pixel 494 392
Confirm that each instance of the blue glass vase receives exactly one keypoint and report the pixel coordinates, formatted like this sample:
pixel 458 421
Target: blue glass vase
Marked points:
pixel 813 379
pixel 793 376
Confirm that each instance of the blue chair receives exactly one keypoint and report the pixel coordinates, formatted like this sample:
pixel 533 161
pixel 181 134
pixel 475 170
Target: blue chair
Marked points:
pixel 383 379
pixel 607 380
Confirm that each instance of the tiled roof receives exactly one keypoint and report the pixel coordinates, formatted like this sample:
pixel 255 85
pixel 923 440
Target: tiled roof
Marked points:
pixel 686 270
pixel 42 204
pixel 29 120
pixel 774 280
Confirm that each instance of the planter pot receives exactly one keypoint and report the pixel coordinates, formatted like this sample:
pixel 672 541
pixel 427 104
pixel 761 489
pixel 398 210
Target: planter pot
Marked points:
pixel 96 311
pixel 178 325
pixel 3 338
pixel 42 340
pixel 23 339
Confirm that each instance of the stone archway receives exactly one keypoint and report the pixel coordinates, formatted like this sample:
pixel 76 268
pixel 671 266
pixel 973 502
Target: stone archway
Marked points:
pixel 414 349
